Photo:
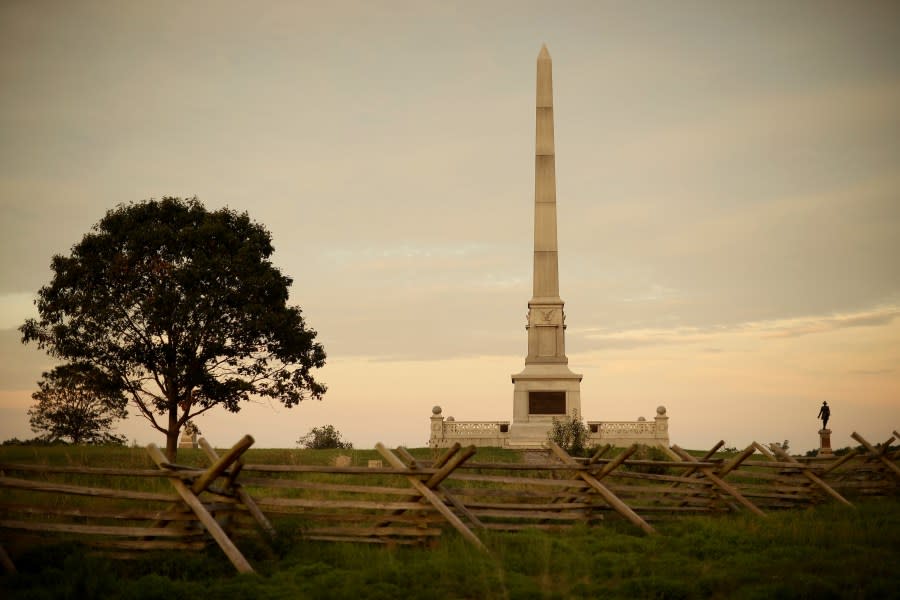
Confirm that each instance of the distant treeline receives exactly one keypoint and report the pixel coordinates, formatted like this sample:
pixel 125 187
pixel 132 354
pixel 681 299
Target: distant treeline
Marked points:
pixel 39 441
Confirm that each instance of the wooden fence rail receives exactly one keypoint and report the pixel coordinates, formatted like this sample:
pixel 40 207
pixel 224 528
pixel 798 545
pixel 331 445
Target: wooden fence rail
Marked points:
pixel 412 500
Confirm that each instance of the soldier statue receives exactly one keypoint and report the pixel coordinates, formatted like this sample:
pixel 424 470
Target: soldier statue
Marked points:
pixel 824 414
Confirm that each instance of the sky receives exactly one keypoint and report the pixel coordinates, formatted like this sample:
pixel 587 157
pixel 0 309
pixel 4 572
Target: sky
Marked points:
pixel 728 179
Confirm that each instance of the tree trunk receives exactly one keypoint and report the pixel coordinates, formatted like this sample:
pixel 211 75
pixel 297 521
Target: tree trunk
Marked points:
pixel 172 434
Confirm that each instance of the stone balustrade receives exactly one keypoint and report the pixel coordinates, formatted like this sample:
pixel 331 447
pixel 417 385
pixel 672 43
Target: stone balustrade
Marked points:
pixel 446 431
pixel 475 428
pixel 625 427
pixel 625 433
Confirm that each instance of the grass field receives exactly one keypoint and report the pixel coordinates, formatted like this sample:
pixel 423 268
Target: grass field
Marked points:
pixel 137 458
pixel 825 552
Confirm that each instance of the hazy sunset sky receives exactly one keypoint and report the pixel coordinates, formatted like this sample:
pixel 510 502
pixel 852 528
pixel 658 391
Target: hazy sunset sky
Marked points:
pixel 728 197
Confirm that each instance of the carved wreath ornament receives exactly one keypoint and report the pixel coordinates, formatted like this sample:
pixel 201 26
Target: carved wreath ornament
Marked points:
pixel 546 316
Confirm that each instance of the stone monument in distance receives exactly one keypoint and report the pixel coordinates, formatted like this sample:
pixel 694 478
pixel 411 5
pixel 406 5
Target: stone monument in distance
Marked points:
pixel 546 388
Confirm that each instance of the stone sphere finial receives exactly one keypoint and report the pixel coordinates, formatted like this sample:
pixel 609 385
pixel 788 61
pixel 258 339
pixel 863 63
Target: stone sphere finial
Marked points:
pixel 661 410
pixel 450 419
pixel 436 410
pixel 641 419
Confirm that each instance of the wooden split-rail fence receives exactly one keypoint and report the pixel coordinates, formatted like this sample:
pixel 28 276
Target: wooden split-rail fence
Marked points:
pixel 125 511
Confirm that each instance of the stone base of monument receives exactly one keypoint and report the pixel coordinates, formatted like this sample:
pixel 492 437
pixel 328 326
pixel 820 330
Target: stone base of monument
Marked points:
pixel 824 443
pixel 532 435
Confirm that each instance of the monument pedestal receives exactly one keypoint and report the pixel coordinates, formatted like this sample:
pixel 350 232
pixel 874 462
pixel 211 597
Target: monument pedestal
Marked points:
pixel 540 394
pixel 824 443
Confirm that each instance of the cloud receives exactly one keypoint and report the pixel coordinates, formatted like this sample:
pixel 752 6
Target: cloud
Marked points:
pixel 811 325
pixel 873 372
pixel 603 339
pixel 775 121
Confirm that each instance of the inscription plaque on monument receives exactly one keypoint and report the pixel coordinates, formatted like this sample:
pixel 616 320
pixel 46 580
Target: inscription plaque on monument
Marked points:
pixel 547 403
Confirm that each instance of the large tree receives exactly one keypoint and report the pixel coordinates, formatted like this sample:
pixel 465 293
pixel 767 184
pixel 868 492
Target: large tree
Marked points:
pixel 77 403
pixel 181 308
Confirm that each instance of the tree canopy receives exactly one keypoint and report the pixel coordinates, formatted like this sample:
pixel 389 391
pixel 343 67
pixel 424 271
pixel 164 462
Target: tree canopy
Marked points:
pixel 182 309
pixel 77 403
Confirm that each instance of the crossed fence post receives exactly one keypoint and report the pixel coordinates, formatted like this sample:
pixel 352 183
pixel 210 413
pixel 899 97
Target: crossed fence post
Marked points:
pixel 614 501
pixel 190 496
pixel 591 461
pixel 710 474
pixel 809 474
pixel 874 453
pixel 426 492
pixel 435 483
pixel 239 490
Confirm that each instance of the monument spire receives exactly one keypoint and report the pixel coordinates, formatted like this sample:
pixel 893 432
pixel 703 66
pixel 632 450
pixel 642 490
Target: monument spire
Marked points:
pixel 546 388
pixel 546 328
pixel 546 260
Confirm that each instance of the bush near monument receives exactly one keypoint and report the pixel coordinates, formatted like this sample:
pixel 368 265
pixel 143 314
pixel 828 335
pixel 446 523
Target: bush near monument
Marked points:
pixel 182 310
pixel 570 433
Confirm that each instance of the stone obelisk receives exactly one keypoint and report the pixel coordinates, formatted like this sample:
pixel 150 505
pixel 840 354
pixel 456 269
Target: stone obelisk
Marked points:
pixel 546 388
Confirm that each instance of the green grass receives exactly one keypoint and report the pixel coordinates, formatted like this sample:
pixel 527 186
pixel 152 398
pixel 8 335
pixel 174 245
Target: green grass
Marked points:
pixel 827 552
pixel 134 457
pixel 137 458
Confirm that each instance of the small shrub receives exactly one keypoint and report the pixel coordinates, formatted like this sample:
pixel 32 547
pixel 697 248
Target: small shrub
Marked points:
pixel 324 438
pixel 570 433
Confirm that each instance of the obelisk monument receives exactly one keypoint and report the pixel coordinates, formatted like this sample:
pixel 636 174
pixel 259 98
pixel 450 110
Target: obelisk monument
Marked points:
pixel 546 388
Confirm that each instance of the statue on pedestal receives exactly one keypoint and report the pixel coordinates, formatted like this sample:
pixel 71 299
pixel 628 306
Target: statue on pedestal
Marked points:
pixel 824 414
pixel 824 433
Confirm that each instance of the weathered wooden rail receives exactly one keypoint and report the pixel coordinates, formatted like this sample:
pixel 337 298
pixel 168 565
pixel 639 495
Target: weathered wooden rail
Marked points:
pixel 411 501
pixel 399 504
pixel 116 512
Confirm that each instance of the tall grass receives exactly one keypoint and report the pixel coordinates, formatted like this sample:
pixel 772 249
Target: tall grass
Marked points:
pixel 826 552
pixel 135 457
